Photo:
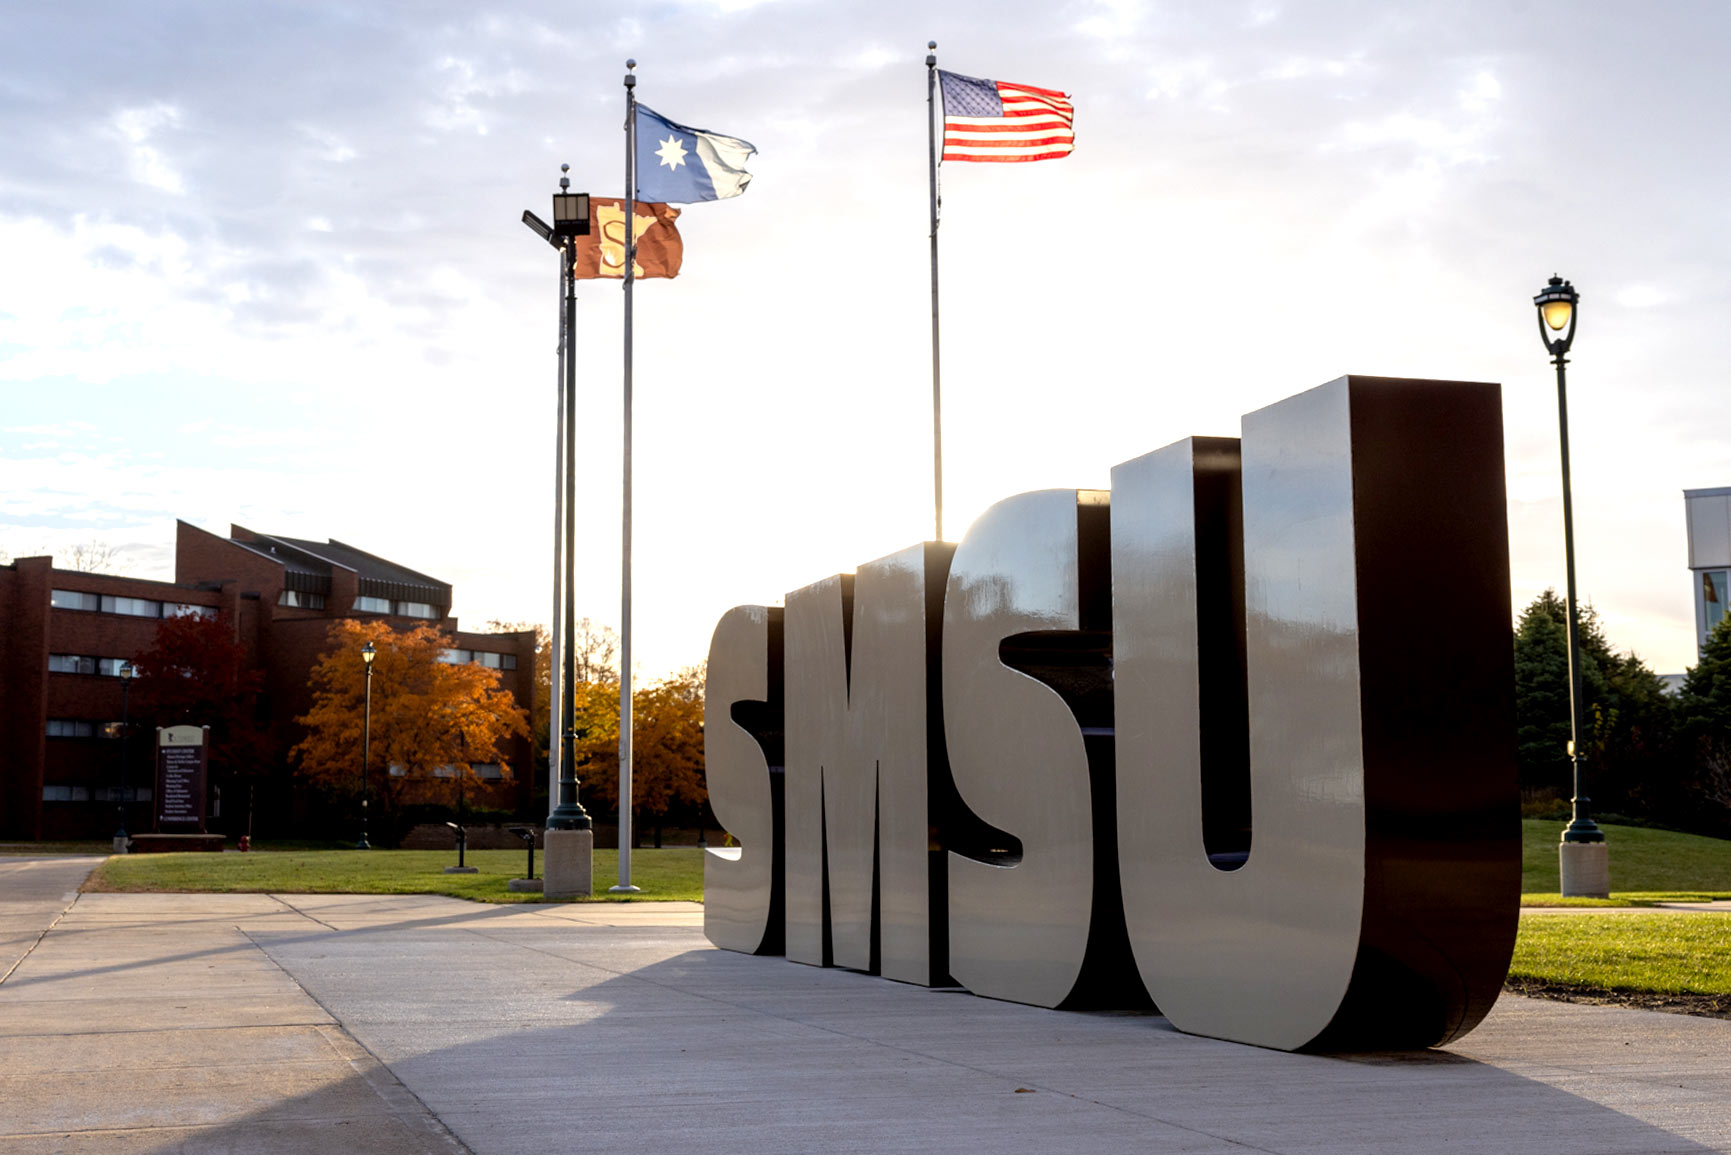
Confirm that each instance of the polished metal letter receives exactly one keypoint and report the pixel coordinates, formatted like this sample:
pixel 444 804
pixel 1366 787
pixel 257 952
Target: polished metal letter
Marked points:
pixel 1027 710
pixel 742 885
pixel 860 776
pixel 1378 901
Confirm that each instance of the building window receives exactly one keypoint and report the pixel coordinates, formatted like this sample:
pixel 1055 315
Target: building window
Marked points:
pixel 1713 597
pixel 182 610
pixel 367 605
pixel 415 610
pixel 70 728
pixel 481 658
pixel 84 664
pixel 131 607
pixel 133 794
pixel 488 771
pixel 300 600
pixel 74 600
pixel 66 794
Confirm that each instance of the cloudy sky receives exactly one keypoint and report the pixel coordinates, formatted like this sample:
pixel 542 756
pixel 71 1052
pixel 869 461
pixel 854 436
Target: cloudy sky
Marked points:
pixel 262 264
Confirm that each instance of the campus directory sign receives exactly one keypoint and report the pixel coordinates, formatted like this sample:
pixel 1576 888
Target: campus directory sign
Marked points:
pixel 182 767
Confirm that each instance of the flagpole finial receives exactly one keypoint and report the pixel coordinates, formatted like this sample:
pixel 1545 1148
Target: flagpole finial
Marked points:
pixel 931 53
pixel 564 181
pixel 630 76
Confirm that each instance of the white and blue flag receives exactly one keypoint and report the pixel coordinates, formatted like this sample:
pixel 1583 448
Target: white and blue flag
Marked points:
pixel 679 165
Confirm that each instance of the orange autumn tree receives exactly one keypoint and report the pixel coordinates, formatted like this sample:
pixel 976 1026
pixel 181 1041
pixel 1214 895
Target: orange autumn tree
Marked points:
pixel 427 714
pixel 666 746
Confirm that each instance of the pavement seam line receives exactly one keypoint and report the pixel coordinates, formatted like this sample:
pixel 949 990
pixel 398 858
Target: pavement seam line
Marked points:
pixel 310 917
pixel 497 936
pixel 13 969
pixel 439 1125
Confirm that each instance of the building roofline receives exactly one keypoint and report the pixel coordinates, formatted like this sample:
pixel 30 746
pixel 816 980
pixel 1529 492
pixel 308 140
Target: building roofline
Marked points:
pixel 432 581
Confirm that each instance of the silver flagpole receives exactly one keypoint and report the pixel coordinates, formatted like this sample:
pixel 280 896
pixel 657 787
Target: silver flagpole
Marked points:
pixel 554 698
pixel 937 388
pixel 625 520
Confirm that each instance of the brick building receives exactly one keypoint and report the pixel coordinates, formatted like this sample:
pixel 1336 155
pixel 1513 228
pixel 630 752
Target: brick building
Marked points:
pixel 65 634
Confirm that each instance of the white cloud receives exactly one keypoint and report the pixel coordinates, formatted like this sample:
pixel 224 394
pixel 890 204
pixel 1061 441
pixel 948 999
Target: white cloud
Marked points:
pixel 1305 67
pixel 1641 297
pixel 148 166
pixel 1113 19
pixel 1480 93
pixel 331 147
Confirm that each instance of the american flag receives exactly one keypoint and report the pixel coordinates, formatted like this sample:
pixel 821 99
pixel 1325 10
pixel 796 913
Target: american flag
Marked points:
pixel 994 120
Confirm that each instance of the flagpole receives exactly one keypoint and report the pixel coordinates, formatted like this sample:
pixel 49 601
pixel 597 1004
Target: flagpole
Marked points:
pixel 625 519
pixel 937 388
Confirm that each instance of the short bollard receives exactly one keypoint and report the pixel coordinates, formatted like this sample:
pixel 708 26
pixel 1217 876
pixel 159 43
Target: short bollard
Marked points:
pixel 462 845
pixel 528 883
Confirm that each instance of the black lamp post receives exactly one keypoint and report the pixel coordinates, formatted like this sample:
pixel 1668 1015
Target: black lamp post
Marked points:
pixel 1558 306
pixel 127 672
pixel 570 221
pixel 368 652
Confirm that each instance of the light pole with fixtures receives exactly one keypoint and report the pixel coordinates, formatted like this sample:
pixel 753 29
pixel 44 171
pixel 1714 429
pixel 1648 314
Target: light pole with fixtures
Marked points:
pixel 127 672
pixel 1583 856
pixel 368 653
pixel 570 221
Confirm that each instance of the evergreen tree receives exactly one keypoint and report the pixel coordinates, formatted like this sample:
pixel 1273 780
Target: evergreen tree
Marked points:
pixel 1704 728
pixel 1625 715
pixel 1542 689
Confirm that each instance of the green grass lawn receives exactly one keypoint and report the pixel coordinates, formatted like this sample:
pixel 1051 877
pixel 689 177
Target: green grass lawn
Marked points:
pixel 1627 956
pixel 1660 951
pixel 1647 866
pixel 664 875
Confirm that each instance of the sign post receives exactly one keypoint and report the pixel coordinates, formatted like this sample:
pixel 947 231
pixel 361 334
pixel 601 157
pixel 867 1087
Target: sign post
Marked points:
pixel 182 766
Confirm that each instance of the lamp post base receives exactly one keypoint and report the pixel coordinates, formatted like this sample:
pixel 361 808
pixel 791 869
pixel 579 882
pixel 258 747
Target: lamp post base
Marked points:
pixel 1586 869
pixel 568 863
pixel 122 843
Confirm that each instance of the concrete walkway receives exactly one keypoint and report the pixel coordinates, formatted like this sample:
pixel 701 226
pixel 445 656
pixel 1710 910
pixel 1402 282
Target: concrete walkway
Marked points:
pixel 212 1023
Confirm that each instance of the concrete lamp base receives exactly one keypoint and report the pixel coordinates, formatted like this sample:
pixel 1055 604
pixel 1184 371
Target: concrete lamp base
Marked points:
pixel 122 845
pixel 569 870
pixel 524 885
pixel 462 870
pixel 1586 869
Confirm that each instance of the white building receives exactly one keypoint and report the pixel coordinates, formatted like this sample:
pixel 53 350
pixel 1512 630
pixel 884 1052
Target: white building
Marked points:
pixel 1709 519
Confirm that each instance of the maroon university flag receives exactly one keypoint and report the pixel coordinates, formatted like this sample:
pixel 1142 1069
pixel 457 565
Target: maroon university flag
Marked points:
pixel 602 252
